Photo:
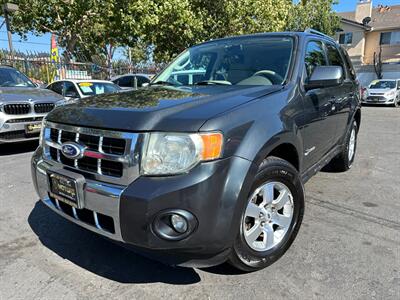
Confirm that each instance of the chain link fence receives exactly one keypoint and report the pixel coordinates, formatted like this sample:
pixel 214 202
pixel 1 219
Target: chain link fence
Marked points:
pixel 41 69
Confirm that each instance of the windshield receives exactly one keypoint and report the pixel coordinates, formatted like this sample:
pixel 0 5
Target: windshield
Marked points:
pixel 238 61
pixel 383 84
pixel 97 88
pixel 13 78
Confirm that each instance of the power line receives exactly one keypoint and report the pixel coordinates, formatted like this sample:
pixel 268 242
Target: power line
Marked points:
pixel 23 42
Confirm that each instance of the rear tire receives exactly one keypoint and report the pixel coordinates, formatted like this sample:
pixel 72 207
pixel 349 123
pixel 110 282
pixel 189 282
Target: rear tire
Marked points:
pixel 344 160
pixel 272 216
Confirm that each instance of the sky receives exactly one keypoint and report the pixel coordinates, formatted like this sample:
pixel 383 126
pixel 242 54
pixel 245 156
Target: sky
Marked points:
pixel 42 43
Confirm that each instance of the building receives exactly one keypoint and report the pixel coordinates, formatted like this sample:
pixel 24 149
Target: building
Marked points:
pixel 369 30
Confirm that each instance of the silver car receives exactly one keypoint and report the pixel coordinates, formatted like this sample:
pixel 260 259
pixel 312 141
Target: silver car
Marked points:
pixel 383 91
pixel 22 106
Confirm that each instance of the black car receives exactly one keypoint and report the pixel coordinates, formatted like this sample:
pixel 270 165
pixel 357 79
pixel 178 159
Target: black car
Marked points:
pixel 213 171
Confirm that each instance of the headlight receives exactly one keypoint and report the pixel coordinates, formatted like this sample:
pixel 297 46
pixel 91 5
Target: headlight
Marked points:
pixel 175 153
pixel 390 94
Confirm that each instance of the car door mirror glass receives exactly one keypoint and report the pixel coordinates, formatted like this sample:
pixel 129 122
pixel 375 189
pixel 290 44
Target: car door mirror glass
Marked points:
pixel 71 95
pixel 325 76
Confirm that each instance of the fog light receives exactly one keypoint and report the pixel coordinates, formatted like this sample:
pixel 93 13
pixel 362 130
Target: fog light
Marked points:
pixel 179 223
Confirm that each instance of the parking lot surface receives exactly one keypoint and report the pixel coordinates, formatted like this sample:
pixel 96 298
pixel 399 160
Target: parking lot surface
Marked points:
pixel 348 246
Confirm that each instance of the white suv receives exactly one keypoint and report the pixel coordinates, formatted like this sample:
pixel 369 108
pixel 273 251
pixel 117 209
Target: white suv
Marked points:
pixel 383 91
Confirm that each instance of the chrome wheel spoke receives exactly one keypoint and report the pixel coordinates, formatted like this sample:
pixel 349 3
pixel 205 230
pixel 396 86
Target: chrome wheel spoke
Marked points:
pixel 268 194
pixel 282 199
pixel 253 210
pixel 282 220
pixel 253 233
pixel 268 236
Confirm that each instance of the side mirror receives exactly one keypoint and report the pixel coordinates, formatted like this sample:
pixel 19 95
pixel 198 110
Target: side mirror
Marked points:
pixel 325 76
pixel 145 84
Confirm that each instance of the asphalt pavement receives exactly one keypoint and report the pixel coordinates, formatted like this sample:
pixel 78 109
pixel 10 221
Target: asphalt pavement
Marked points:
pixel 348 245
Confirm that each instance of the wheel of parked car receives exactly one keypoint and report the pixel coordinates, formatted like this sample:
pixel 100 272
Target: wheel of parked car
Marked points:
pixel 345 159
pixel 397 102
pixel 271 218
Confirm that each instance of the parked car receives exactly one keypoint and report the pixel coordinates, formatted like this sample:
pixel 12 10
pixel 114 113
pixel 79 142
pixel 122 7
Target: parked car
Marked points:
pixel 383 91
pixel 198 174
pixel 22 106
pixel 131 81
pixel 77 89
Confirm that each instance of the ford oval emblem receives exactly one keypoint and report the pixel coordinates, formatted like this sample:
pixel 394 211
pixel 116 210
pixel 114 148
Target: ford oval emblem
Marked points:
pixel 72 150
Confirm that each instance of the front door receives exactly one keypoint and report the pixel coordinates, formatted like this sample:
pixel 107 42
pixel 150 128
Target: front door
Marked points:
pixel 319 128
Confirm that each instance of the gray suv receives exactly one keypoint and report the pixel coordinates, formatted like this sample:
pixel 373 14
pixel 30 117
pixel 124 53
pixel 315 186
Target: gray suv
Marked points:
pixel 198 173
pixel 22 106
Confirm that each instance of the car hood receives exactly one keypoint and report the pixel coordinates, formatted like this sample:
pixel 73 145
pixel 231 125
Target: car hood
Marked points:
pixel 381 91
pixel 157 108
pixel 23 94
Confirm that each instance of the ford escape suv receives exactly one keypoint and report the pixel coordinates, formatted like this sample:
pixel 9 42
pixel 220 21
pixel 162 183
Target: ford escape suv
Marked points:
pixel 212 171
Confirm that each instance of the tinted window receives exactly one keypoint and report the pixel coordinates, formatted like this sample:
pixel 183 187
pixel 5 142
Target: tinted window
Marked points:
pixel 334 57
pixel 125 81
pixel 70 90
pixel 141 80
pixel 315 56
pixel 348 63
pixel 57 87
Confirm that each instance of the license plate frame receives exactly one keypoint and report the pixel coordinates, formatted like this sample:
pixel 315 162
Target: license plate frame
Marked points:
pixel 33 128
pixel 67 187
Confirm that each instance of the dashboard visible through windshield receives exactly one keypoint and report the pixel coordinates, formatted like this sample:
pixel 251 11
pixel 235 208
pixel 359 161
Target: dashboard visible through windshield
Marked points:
pixel 237 61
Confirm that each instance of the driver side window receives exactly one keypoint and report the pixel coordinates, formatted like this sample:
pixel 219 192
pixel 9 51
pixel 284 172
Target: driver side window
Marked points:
pixel 315 56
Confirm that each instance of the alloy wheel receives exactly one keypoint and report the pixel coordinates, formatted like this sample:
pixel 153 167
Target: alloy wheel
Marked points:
pixel 268 216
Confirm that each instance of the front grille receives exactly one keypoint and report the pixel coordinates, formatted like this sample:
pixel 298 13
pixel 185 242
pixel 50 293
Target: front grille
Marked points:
pixel 42 108
pixel 377 98
pixel 107 155
pixel 24 120
pixel 17 109
pixel 87 216
pixel 19 134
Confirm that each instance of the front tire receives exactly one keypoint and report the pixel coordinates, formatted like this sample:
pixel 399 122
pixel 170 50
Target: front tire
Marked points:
pixel 271 218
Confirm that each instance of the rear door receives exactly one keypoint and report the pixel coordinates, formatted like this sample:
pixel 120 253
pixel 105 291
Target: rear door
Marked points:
pixel 319 128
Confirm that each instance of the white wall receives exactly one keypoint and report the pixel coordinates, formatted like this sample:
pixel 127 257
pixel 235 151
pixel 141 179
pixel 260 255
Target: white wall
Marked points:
pixel 366 74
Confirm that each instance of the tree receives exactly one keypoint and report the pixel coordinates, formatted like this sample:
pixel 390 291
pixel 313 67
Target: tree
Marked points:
pixel 316 14
pixel 378 63
pixel 96 27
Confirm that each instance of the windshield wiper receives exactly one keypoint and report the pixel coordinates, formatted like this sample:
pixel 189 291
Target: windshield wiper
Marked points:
pixel 213 82
pixel 161 82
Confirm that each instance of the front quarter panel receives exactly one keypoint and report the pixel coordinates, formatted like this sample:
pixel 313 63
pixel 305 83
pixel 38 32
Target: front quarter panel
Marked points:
pixel 253 130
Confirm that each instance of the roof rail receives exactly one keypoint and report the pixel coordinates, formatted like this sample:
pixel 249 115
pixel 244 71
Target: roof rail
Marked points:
pixel 313 31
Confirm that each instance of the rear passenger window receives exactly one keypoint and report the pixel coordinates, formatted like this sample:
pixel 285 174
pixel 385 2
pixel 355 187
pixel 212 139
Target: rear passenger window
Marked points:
pixel 315 56
pixel 334 57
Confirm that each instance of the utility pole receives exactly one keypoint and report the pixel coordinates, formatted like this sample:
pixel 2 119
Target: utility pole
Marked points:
pixel 9 8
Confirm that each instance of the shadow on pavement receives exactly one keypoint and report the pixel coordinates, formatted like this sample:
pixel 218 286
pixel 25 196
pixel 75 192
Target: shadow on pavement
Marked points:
pixel 100 256
pixel 18 148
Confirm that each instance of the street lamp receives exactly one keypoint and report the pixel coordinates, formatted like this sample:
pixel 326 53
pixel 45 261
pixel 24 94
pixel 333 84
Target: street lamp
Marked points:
pixel 7 9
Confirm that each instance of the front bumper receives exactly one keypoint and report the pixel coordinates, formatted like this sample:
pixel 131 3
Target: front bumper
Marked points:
pixel 378 100
pixel 13 128
pixel 214 192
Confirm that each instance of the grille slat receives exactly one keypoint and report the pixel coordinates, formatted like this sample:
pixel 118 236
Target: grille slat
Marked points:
pixel 96 144
pixel 42 108
pixel 17 109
